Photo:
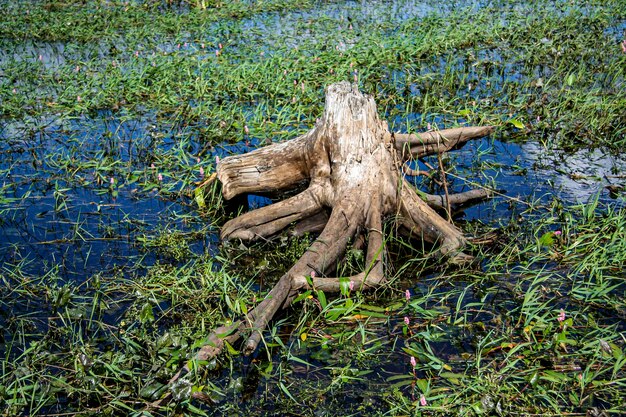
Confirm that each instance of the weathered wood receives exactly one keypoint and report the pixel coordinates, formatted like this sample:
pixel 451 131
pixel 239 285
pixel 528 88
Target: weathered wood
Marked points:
pixel 273 168
pixel 440 141
pixel 352 165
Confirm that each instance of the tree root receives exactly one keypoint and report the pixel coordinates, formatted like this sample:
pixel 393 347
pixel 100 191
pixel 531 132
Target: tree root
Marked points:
pixel 352 165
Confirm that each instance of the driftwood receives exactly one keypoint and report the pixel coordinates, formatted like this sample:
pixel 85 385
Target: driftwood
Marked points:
pixel 351 166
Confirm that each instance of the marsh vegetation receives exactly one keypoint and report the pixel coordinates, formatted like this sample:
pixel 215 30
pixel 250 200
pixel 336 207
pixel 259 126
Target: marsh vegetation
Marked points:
pixel 112 272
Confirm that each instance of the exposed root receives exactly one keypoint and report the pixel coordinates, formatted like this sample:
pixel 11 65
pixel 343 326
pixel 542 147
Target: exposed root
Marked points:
pixel 422 221
pixel 439 201
pixel 412 146
pixel 263 313
pixel 351 162
pixel 313 224
pixel 373 276
pixel 271 219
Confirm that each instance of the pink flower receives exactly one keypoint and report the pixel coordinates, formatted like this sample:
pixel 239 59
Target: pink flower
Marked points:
pixel 202 46
pixel 77 68
pixel 557 233
pixel 198 159
pixel 185 45
pixel 312 274
pixel 351 285
pixel 561 317
pixel 160 177
pixel 219 45
pixel 14 91
pixel 406 320
pixel 217 52
pixel 217 160
pixel 423 401
pixel 413 362
pixel 429 127
pixel 40 57
pixel 152 166
pixel 407 295
pixel 136 53
pixel 78 99
pixel 201 172
pixel 112 181
pixel 623 44
pixel 246 130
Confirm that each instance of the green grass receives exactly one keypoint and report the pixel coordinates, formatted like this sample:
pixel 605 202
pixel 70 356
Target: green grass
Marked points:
pixel 103 141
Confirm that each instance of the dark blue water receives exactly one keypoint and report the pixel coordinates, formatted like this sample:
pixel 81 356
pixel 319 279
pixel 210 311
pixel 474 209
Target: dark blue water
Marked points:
pixel 59 210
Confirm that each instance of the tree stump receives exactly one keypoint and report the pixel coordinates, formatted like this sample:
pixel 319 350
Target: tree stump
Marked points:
pixel 352 167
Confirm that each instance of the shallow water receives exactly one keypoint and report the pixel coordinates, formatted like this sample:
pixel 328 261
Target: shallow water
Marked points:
pixel 60 215
pixel 50 220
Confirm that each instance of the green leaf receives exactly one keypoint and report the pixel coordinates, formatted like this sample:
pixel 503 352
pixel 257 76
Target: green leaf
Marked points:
pixel 547 239
pixel 422 384
pixel 517 123
pixel 195 410
pixel 344 285
pixel 454 378
pixel 242 304
pixel 322 298
pixel 231 349
pixel 146 315
pixel 199 197
pixel 302 296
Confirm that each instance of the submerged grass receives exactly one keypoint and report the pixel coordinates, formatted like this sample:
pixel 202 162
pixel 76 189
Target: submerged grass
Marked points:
pixel 556 69
pixel 112 273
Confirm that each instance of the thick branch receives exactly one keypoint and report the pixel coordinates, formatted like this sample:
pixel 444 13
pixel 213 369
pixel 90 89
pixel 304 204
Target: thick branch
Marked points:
pixel 429 143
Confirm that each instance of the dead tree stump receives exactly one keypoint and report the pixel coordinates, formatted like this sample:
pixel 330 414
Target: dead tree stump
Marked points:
pixel 353 167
